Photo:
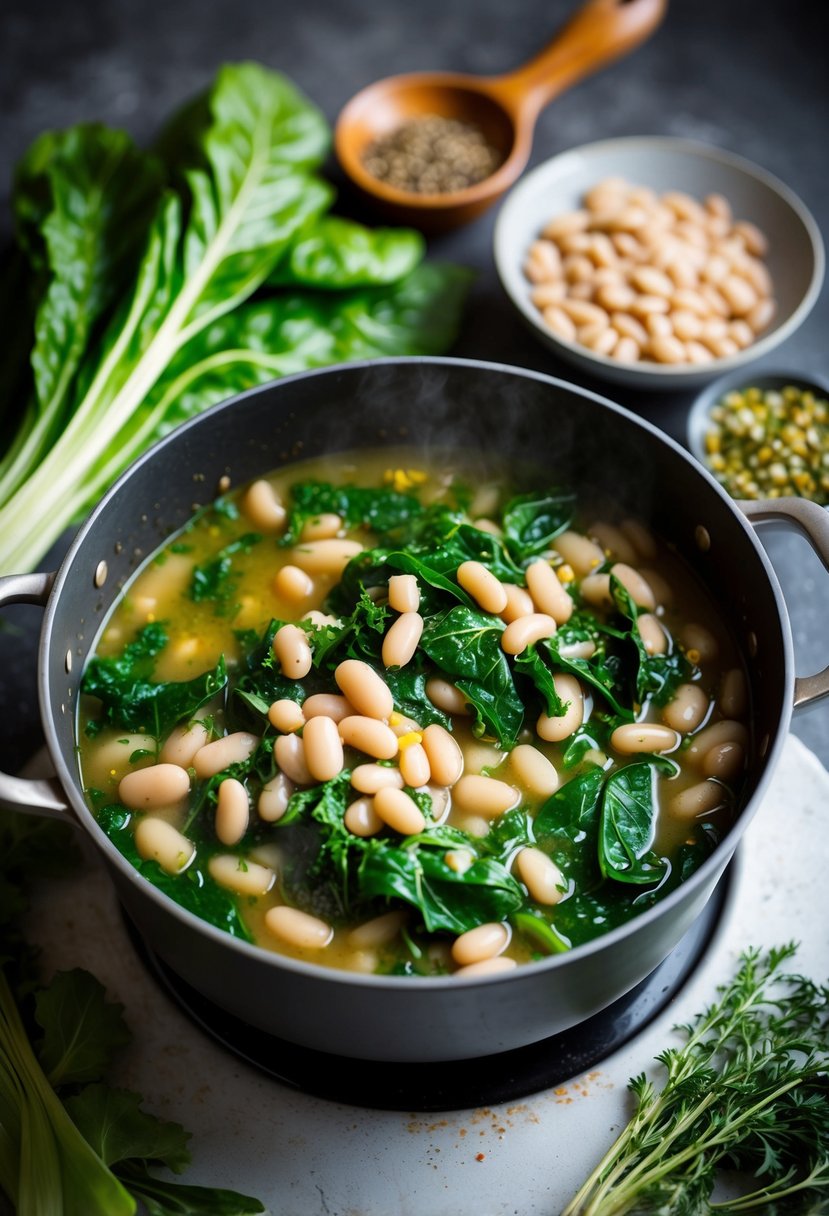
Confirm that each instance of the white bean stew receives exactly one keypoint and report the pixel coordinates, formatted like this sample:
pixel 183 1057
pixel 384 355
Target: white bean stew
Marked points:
pixel 405 720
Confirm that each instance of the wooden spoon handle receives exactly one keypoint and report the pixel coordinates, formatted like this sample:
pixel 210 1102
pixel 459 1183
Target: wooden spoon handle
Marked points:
pixel 599 32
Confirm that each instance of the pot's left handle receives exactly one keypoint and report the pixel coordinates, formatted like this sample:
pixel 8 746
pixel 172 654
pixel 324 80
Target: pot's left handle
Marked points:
pixel 813 521
pixel 32 795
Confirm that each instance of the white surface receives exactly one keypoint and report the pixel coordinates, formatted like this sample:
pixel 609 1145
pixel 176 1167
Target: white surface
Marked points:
pixel 795 259
pixel 306 1157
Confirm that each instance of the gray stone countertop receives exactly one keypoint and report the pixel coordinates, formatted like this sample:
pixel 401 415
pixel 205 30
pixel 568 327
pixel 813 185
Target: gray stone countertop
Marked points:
pixel 746 76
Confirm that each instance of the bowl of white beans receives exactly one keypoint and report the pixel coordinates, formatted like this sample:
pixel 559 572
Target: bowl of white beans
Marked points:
pixel 657 262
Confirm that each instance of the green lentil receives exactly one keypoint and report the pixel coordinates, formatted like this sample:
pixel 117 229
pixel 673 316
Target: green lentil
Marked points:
pixel 771 443
pixel 432 155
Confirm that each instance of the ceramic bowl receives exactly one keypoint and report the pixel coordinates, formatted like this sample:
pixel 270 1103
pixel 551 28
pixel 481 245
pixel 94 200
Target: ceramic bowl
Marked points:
pixel 795 257
pixel 699 416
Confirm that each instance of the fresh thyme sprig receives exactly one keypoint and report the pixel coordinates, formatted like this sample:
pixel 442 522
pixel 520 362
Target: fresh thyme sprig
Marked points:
pixel 747 1091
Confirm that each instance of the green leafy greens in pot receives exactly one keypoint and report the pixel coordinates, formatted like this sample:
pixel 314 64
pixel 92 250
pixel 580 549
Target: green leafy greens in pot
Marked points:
pixel 605 830
pixel 157 284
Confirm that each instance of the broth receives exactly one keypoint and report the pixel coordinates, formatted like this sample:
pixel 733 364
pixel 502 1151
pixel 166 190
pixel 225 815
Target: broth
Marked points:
pixel 551 701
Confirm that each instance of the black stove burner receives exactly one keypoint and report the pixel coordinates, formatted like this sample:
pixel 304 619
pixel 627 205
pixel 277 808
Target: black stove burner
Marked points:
pixel 452 1085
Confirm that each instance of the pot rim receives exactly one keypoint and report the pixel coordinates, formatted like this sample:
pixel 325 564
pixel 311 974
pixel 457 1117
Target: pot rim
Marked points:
pixel 712 866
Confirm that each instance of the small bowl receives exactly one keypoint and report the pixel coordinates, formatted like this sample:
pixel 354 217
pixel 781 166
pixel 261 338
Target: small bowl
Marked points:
pixel 699 416
pixel 795 258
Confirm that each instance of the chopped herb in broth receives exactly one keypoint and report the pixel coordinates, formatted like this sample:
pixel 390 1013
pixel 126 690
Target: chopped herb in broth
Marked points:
pixel 413 720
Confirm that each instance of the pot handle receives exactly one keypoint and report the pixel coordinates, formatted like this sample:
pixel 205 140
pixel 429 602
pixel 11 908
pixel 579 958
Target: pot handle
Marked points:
pixel 813 521
pixel 31 795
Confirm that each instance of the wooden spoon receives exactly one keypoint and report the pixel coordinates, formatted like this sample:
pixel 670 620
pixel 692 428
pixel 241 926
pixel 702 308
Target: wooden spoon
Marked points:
pixel 504 107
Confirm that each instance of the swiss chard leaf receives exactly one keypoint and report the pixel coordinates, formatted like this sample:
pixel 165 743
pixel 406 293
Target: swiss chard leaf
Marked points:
pixel 162 1198
pixel 447 900
pixel 335 253
pixel 466 645
pixel 113 1123
pixel 531 521
pixel 132 701
pixel 82 1030
pixel 383 510
pixel 214 579
pixel 628 823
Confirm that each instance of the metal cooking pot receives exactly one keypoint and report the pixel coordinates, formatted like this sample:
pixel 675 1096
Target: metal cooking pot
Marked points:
pixel 426 403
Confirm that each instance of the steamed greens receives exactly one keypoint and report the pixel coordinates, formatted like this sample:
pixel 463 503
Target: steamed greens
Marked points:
pixel 149 286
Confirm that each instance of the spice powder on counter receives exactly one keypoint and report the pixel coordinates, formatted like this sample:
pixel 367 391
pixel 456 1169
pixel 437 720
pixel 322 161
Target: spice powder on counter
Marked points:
pixel 432 155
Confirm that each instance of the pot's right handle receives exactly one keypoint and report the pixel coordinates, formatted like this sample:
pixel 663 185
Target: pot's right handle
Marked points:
pixel 32 795
pixel 813 522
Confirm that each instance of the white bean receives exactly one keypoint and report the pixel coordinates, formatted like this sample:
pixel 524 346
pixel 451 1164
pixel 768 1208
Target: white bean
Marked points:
pixel 525 631
pixel 414 765
pixel 263 507
pixel 361 819
pixel 486 796
pixel 325 557
pixel 446 696
pixel 364 688
pixel 540 875
pixel 483 942
pixel 369 778
pixel 697 799
pixel 569 691
pixel 547 591
pixel 519 603
pixel 289 754
pixel 274 798
pixel 369 735
pixel 321 527
pixel 401 640
pixel 581 553
pixel 298 928
pixel 533 770
pixel 444 754
pixel 687 710
pixel 650 629
pixel 398 811
pixel 160 785
pixel 157 840
pixel 182 743
pixel 286 715
pixel 214 757
pixel 636 586
pixel 488 966
pixel 239 875
pixel 379 931
pixel 700 641
pixel 404 593
pixel 724 760
pixel 293 584
pixel 724 731
pixel 232 811
pixel 292 651
pixel 595 589
pixel 323 748
pixel 328 705
pixel 636 737
pixel 482 585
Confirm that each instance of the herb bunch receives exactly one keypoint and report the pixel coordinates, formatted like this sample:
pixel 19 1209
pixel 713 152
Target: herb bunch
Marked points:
pixel 748 1091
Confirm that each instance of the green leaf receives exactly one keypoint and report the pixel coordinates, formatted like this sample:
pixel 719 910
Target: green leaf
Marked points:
pixel 132 701
pixel 162 1198
pixel 335 253
pixel 628 822
pixel 113 1123
pixel 418 874
pixel 531 521
pixel 82 1030
pixel 466 645
pixel 380 509
pixel 84 199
